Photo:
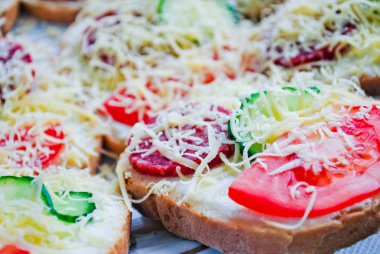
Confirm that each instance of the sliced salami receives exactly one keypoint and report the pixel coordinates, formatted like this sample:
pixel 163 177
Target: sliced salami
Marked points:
pixel 189 140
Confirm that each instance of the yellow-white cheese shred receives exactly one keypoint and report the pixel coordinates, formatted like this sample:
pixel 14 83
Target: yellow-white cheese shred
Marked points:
pixel 38 112
pixel 16 75
pixel 176 142
pixel 28 225
pixel 148 47
pixel 351 25
pixel 330 102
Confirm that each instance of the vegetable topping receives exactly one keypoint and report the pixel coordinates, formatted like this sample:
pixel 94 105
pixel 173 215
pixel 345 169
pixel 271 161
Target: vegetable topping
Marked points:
pixel 66 206
pixel 26 147
pixel 315 170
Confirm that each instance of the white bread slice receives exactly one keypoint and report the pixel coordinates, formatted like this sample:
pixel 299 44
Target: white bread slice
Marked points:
pixel 8 11
pixel 244 231
pixel 53 11
pixel 107 231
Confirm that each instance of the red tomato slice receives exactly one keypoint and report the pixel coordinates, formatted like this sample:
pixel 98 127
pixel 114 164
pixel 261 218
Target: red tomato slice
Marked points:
pixel 119 107
pixel 337 186
pixel 156 164
pixel 10 249
pixel 42 159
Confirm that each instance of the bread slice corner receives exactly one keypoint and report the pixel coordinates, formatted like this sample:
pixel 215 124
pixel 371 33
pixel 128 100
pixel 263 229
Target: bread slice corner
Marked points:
pixel 9 13
pixel 53 11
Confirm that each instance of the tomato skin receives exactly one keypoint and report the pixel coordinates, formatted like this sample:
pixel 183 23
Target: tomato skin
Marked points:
pixel 119 112
pixel 11 249
pixel 55 148
pixel 42 159
pixel 256 189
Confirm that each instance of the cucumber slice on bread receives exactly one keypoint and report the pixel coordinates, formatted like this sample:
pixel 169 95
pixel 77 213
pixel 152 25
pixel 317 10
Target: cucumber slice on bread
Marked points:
pixel 266 107
pixel 23 187
pixel 67 207
pixel 165 6
pixel 72 205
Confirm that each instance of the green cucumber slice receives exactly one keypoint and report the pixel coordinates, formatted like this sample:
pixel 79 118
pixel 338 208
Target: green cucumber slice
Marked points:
pixel 188 17
pixel 15 188
pixel 234 13
pixel 164 6
pixel 67 207
pixel 72 205
pixel 265 105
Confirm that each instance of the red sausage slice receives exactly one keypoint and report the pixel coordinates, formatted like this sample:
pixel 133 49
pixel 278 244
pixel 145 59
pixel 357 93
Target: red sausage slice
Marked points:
pixel 156 164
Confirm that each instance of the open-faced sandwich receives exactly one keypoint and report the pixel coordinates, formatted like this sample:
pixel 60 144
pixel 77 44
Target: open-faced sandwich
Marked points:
pixel 8 14
pixel 61 211
pixel 150 53
pixel 337 38
pixel 54 10
pixel 37 128
pixel 40 131
pixel 295 169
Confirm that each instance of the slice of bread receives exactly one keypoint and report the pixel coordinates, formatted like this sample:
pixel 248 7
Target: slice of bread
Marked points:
pixel 235 229
pixel 54 11
pixel 8 12
pixel 105 230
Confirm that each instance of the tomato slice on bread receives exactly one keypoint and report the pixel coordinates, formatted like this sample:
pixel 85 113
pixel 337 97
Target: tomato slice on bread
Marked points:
pixel 11 249
pixel 333 171
pixel 45 154
pixel 191 139
pixel 121 106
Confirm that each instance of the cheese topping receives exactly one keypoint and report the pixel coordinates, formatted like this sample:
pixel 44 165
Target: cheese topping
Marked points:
pixel 347 29
pixel 28 225
pixel 39 111
pixel 329 105
pixel 16 71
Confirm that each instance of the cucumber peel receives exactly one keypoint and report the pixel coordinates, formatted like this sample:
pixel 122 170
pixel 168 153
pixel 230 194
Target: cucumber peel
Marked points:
pixel 162 8
pixel 264 105
pixel 67 208
pixel 72 205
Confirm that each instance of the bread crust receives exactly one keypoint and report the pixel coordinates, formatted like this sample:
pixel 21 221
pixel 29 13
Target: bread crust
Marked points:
pixel 10 15
pixel 94 160
pixel 122 244
pixel 59 12
pixel 244 236
pixel 114 145
pixel 371 85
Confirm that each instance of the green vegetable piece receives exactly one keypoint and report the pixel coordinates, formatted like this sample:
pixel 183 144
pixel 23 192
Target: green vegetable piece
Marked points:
pixel 230 9
pixel 295 101
pixel 15 188
pixel 71 205
pixel 67 207
pixel 234 13
pixel 160 8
